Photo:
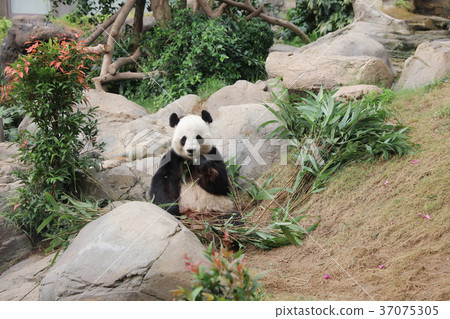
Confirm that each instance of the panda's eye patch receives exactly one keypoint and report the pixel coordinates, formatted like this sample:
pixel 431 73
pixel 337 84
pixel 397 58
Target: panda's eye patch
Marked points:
pixel 200 139
pixel 183 140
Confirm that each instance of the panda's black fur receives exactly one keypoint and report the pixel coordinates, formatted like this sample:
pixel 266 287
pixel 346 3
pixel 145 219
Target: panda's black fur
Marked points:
pixel 209 172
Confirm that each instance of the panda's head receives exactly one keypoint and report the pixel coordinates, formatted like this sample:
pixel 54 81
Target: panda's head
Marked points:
pixel 191 137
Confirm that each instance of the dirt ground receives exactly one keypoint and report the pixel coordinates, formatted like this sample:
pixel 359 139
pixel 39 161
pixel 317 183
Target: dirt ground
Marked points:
pixel 373 238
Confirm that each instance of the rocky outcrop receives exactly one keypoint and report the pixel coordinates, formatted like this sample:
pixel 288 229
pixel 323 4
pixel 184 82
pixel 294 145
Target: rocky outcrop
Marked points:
pixel 355 92
pixel 348 44
pixel 135 252
pixel 431 62
pixel 14 245
pixel 25 27
pixel 239 137
pixel 21 281
pixel 242 92
pixel 301 72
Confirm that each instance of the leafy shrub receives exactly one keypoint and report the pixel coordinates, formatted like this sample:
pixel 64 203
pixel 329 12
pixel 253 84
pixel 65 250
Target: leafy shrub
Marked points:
pixel 329 133
pixel 227 279
pixel 46 85
pixel 193 48
pixel 318 17
pixel 12 116
pixel 5 24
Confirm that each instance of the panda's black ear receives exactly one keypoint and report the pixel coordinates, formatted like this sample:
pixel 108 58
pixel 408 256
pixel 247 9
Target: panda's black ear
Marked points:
pixel 206 117
pixel 174 120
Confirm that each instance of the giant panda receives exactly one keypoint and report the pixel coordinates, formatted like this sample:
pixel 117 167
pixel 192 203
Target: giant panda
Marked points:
pixel 192 178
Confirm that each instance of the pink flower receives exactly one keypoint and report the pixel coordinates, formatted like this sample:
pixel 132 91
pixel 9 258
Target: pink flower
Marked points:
pixel 385 183
pixel 327 276
pixel 415 162
pixel 381 266
pixel 427 216
pixel 393 223
pixel 419 214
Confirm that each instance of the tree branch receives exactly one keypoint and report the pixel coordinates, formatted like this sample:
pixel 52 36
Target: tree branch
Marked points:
pixel 255 13
pixel 286 24
pixel 101 28
pixel 209 12
pixel 112 37
pixel 101 80
pixel 120 62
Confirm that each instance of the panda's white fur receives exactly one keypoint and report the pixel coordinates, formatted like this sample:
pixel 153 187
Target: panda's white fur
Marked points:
pixel 191 126
pixel 192 174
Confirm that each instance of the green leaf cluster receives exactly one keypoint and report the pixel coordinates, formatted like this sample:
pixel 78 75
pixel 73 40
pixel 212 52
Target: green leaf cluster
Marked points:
pixel 318 17
pixel 46 85
pixel 226 279
pixel 193 48
pixel 327 133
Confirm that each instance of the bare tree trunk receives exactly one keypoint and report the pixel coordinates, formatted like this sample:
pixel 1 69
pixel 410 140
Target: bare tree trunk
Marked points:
pixel 161 11
pixel 112 38
pixel 138 22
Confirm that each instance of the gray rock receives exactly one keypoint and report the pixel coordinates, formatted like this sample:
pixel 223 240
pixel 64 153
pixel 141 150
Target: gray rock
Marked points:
pixel 348 44
pixel 237 134
pixel 347 93
pixel 14 245
pixel 242 92
pixel 183 106
pixel 301 72
pixel 431 62
pixel 23 28
pixel 21 282
pixel 134 252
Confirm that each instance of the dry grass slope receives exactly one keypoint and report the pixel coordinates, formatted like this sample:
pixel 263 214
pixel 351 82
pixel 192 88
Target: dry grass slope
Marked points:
pixel 365 224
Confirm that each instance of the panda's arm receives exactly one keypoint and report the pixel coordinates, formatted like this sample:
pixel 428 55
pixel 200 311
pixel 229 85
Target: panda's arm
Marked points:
pixel 165 188
pixel 213 174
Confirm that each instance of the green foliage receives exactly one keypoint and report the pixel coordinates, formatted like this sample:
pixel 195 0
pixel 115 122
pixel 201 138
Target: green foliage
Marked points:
pixel 319 16
pixel 328 133
pixel 192 48
pixel 12 116
pixel 406 4
pixel 5 24
pixel 210 86
pixel 226 279
pixel 46 85
pixel 69 216
pixel 87 11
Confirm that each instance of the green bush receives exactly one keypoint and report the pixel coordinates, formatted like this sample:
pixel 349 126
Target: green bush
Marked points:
pixel 318 17
pixel 46 85
pixel 227 279
pixel 193 48
pixel 328 134
pixel 5 24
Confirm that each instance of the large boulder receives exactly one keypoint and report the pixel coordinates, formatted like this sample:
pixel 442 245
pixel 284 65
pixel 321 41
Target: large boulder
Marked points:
pixel 349 44
pixel 238 135
pixel 431 62
pixel 25 27
pixel 135 252
pixel 20 282
pixel 242 92
pixel 14 245
pixel 113 111
pixel 301 72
